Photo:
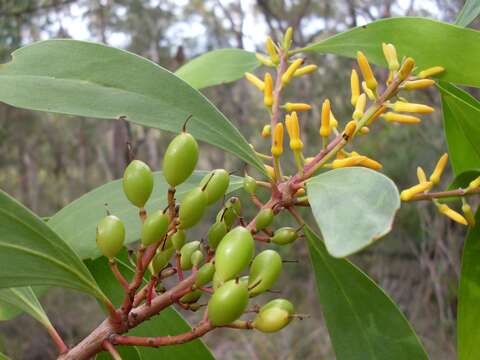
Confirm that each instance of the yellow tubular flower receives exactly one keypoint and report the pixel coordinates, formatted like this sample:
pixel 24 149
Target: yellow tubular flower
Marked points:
pixel 406 68
pixel 366 71
pixel 355 87
pixel 367 91
pixel 287 38
pixel 437 173
pixel 409 193
pixel 371 164
pixel 401 118
pixel 452 214
pixel 390 54
pixel 266 131
pixel 418 84
pixel 360 106
pixel 268 90
pixel 289 107
pixel 474 184
pixel 277 146
pixel 325 122
pixel 333 121
pixel 264 60
pixel 349 129
pixel 431 71
pixel 364 130
pixel 293 129
pixel 305 70
pixel 376 114
pixel 347 162
pixel 272 50
pixel 421 175
pixel 467 211
pixel 255 81
pixel 401 106
pixel 287 76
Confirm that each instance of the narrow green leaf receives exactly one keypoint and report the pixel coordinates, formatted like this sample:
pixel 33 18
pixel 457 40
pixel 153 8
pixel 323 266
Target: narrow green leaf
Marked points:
pixel 470 10
pixel 463 179
pixel 94 80
pixel 461 116
pixel 24 299
pixel 363 322
pixel 353 207
pixel 4 357
pixel 31 253
pixel 76 222
pixel 217 67
pixel 429 42
pixel 468 336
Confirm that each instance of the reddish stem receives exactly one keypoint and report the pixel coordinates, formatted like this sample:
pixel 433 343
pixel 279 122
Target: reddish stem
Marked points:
pixel 118 274
pixel 57 339
pixel 111 349
pixel 151 289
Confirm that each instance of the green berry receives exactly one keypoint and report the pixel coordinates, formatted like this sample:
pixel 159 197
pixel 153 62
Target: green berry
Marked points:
pixel 227 303
pixel 264 219
pixel 216 184
pixel 280 303
pixel 271 320
pixel 180 159
pixel 160 260
pixel 284 235
pixel 216 233
pixel 154 228
pixel 196 258
pixel 230 211
pixel 205 274
pixel 110 235
pixel 265 270
pixel 138 183
pixel 178 239
pixel 186 254
pixel 233 254
pixel 249 184
pixel 192 208
pixel 191 297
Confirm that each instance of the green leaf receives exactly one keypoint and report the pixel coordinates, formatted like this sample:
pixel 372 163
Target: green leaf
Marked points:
pixel 461 116
pixel 168 322
pixel 217 67
pixel 353 207
pixel 429 42
pixel 31 253
pixel 468 336
pixel 469 12
pixel 76 222
pixel 363 322
pixel 463 179
pixel 94 80
pixel 24 299
pixel 4 357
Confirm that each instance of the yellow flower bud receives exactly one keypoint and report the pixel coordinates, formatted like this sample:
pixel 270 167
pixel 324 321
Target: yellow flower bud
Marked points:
pixel 270 171
pixel 474 184
pixel 367 91
pixel 406 68
pixel 300 192
pixel 401 106
pixel 409 193
pixel 467 211
pixel 255 81
pixel 287 76
pixel 437 172
pixel 325 122
pixel 293 130
pixel 401 118
pixel 266 131
pixel 333 121
pixel 366 71
pixel 418 84
pixel 355 87
pixel 421 175
pixel 264 60
pixel 272 50
pixel 452 214
pixel 376 114
pixel 364 130
pixel 349 129
pixel 391 56
pixel 268 90
pixel 277 146
pixel 360 107
pixel 309 159
pixel 371 164
pixel 347 162
pixel 305 70
pixel 431 71
pixel 287 38
pixel 289 107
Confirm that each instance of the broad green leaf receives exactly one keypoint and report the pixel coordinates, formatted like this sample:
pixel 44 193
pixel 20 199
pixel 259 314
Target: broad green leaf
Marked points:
pixel 461 116
pixel 24 299
pixel 468 336
pixel 77 221
pixel 168 322
pixel 353 207
pixel 363 322
pixel 217 67
pixel 463 179
pixel 31 253
pixel 469 12
pixel 94 80
pixel 429 42
pixel 9 312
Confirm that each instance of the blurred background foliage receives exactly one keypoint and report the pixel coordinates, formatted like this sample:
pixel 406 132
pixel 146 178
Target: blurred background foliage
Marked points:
pixel 48 160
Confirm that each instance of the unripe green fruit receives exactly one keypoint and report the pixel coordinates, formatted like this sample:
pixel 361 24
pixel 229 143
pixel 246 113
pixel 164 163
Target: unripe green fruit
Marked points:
pixel 161 260
pixel 230 211
pixel 249 184
pixel 216 233
pixel 192 208
pixel 110 235
pixel 284 236
pixel 154 228
pixel 180 159
pixel 227 303
pixel 186 254
pixel 196 258
pixel 265 270
pixel 216 185
pixel 280 303
pixel 264 219
pixel 178 239
pixel 138 183
pixel 233 254
pixel 271 320
pixel 191 297
pixel 235 204
pixel 205 274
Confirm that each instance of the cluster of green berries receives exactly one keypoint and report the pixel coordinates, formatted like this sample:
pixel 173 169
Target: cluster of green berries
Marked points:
pixel 227 254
